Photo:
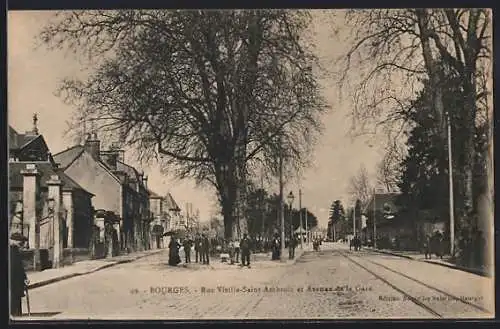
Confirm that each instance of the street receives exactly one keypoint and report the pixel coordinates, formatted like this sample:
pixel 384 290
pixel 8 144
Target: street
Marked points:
pixel 331 284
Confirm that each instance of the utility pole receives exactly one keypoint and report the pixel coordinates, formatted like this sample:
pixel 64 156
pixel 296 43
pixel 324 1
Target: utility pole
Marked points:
pixel 354 221
pixel 450 178
pixel 374 221
pixel 281 210
pixel 263 204
pixel 307 229
pixel 300 218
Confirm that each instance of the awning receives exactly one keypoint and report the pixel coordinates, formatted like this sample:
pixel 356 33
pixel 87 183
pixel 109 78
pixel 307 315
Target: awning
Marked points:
pixel 300 230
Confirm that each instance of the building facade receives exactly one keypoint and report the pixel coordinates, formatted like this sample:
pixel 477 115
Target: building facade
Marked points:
pixel 46 205
pixel 121 196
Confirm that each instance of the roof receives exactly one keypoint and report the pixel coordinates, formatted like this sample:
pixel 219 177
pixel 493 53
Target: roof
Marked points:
pixel 170 202
pixel 68 156
pixel 47 170
pixel 154 195
pixel 18 141
pixel 382 199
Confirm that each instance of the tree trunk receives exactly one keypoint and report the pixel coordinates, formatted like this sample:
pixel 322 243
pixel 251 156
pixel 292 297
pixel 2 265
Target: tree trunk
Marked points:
pixel 432 68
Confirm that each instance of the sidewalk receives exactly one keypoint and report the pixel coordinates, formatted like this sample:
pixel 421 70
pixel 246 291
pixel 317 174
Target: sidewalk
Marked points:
pixel 42 278
pixel 415 255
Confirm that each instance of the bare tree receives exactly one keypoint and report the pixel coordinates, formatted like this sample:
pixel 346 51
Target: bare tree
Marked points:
pixel 359 187
pixel 389 168
pixel 206 93
pixel 394 49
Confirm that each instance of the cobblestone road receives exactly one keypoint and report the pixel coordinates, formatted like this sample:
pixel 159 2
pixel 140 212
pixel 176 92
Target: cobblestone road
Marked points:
pixel 328 284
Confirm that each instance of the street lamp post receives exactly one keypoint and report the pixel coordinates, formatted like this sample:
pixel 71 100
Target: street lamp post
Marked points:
pixel 290 199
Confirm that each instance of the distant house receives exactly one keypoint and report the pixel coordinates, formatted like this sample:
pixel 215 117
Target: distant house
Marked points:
pixel 160 220
pixel 396 227
pixel 120 190
pixel 31 168
pixel 176 221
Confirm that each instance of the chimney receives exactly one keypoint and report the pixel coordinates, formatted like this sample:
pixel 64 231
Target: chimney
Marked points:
pixel 111 156
pixel 93 146
pixel 145 181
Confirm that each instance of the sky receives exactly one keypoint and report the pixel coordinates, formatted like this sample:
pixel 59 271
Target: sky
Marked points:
pixel 35 72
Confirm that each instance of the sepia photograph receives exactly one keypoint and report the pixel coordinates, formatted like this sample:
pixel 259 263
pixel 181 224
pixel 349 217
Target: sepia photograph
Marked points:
pixel 250 164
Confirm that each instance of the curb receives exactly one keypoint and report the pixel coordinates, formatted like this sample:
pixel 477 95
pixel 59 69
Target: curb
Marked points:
pixel 392 254
pixel 72 275
pixel 454 267
pixel 460 268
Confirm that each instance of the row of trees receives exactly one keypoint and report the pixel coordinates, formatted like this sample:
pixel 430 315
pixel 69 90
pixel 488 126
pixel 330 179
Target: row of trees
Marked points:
pixel 211 95
pixel 340 220
pixel 262 213
pixel 417 69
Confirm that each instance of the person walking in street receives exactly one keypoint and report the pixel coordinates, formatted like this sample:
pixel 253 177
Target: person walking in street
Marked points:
pixel 18 279
pixel 237 250
pixel 205 249
pixel 291 247
pixel 245 250
pixel 173 253
pixel 197 247
pixel 276 244
pixel 187 244
pixel 427 247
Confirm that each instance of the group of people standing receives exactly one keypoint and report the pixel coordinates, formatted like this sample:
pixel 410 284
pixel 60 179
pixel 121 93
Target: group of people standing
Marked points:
pixel 201 247
pixel 276 247
pixel 355 243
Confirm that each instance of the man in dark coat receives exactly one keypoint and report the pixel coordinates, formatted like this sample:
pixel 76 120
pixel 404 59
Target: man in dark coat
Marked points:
pixel 197 247
pixel 205 249
pixel 245 250
pixel 187 249
pixel 291 247
pixel 18 279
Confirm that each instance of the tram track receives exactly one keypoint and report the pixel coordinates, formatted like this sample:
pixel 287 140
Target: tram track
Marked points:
pixel 445 305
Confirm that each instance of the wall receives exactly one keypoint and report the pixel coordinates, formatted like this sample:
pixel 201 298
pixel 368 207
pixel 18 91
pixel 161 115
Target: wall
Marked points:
pixel 155 206
pixel 82 220
pixel 91 175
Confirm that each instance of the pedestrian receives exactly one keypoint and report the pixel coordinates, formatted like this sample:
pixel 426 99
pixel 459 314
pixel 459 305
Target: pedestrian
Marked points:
pixel 276 244
pixel 291 247
pixel 18 279
pixel 245 250
pixel 187 249
pixel 237 250
pixel 173 253
pixel 197 247
pixel 427 247
pixel 205 249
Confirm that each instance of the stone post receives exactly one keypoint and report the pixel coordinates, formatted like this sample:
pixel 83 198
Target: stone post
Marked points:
pixel 55 184
pixel 68 205
pixel 31 190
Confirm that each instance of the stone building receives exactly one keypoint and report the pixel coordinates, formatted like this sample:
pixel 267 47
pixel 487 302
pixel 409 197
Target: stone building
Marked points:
pixel 121 196
pixel 46 206
pixel 176 220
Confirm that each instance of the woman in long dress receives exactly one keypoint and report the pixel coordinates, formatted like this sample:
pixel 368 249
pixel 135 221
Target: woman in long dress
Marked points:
pixel 173 254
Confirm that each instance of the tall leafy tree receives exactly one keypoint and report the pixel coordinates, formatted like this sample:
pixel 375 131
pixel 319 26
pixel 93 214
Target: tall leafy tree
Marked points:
pixel 337 214
pixel 395 49
pixel 207 93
